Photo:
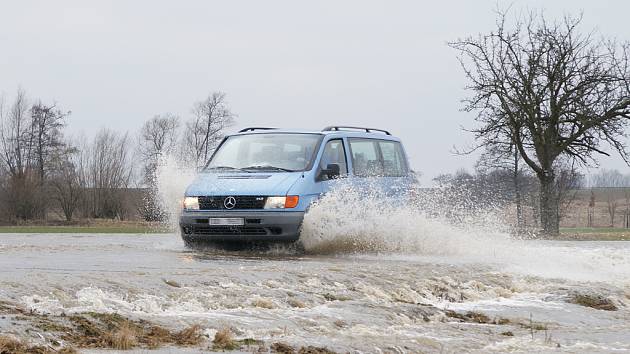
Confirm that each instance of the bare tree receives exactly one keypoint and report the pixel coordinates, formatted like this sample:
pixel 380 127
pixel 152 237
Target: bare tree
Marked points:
pixel 610 182
pixel 567 183
pixel 549 91
pixel 22 187
pixel 14 132
pixel 211 117
pixel 109 171
pixel 66 183
pixel 158 137
pixel 47 123
pixel 506 157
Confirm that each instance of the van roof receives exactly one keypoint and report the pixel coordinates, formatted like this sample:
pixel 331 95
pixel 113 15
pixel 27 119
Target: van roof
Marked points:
pixel 341 131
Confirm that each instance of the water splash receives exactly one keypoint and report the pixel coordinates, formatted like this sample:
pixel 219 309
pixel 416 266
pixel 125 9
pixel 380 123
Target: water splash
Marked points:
pixel 172 178
pixel 442 226
pixel 349 220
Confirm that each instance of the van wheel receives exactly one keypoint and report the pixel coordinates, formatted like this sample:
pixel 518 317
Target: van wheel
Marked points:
pixel 190 242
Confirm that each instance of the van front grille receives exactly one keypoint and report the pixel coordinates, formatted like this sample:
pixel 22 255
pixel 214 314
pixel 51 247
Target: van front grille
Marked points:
pixel 242 202
pixel 236 230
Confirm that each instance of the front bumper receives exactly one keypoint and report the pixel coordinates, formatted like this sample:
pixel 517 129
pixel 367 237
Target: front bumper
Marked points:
pixel 259 226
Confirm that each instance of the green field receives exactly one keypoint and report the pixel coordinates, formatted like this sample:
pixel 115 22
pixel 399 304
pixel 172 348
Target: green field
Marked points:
pixel 131 229
pixel 595 234
pixel 593 230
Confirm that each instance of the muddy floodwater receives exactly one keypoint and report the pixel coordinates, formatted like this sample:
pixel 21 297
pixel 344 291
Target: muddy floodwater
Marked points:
pixel 493 300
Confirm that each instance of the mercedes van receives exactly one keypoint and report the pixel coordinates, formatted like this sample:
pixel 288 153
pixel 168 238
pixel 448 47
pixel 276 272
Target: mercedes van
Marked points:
pixel 260 182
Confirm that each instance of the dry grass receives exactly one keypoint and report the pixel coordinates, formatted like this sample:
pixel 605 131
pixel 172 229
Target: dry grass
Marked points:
pixel 470 316
pixel 593 301
pixel 263 303
pixel 11 345
pixel 123 338
pixel 282 348
pixel 189 336
pixel 336 297
pixel 296 303
pixel 98 330
pixel 224 339
pixel 315 350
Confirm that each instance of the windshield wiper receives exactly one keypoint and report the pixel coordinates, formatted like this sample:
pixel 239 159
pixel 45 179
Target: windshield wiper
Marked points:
pixel 267 168
pixel 224 168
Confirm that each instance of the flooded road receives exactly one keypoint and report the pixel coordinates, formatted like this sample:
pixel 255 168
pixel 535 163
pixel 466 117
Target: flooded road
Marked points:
pixel 370 302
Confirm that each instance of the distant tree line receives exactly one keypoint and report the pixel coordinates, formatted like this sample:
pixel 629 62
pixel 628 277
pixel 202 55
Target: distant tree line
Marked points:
pixel 613 187
pixel 493 186
pixel 45 174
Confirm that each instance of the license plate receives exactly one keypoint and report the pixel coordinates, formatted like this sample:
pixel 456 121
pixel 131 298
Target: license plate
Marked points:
pixel 226 221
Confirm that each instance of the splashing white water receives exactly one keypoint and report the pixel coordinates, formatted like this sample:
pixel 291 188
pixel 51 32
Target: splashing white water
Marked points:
pixel 355 221
pixel 172 179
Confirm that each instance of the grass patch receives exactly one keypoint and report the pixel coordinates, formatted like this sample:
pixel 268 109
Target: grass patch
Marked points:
pixel 595 234
pixel 11 345
pixel 123 338
pixel 593 301
pixel 336 297
pixel 284 348
pixel 81 229
pixel 470 316
pixel 103 330
pixel 296 303
pixel 263 303
pixel 224 340
pixel 593 230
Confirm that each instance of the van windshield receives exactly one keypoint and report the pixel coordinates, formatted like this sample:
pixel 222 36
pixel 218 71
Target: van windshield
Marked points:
pixel 265 152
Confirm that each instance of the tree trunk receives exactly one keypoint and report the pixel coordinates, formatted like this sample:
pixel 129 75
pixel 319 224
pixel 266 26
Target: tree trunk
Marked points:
pixel 549 216
pixel 517 195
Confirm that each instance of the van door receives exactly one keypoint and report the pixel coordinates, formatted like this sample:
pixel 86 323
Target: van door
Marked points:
pixel 334 153
pixel 395 170
pixel 379 166
pixel 367 165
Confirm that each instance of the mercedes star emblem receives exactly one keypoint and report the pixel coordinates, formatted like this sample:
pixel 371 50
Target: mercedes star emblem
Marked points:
pixel 229 203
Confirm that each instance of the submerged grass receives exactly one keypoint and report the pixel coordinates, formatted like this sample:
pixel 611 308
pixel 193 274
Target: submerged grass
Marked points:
pixel 284 348
pixel 470 317
pixel 103 330
pixel 224 340
pixel 11 345
pixel 94 330
pixel 597 302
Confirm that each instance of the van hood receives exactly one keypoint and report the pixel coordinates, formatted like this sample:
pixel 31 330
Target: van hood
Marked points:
pixel 263 184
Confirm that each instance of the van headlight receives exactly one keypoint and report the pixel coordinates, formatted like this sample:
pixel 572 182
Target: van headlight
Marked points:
pixel 191 203
pixel 288 202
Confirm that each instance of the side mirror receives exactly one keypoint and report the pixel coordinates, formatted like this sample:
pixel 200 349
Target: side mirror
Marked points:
pixel 332 171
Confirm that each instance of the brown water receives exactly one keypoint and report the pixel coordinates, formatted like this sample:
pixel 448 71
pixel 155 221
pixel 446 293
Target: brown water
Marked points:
pixel 392 302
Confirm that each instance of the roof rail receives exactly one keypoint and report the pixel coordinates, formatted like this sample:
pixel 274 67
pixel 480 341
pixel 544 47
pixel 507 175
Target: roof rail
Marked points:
pixel 368 130
pixel 251 129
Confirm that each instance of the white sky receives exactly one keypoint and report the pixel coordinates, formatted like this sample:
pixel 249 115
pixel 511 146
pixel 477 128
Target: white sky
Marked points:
pixel 303 64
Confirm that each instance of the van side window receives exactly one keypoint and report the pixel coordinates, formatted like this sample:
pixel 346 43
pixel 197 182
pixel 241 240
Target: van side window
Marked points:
pixel 334 153
pixel 365 157
pixel 393 159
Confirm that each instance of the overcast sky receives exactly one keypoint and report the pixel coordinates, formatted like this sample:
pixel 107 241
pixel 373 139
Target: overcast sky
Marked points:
pixel 304 64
